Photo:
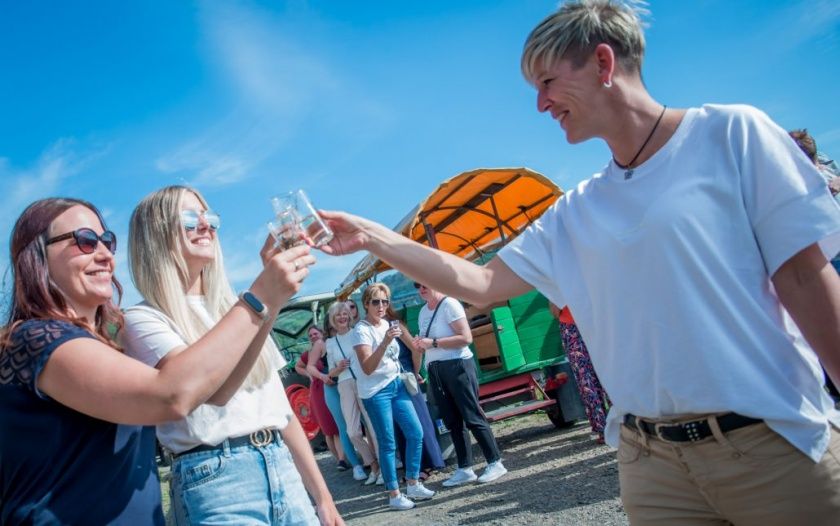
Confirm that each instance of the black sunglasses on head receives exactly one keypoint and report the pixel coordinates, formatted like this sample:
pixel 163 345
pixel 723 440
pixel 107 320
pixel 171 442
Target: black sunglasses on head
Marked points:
pixel 86 239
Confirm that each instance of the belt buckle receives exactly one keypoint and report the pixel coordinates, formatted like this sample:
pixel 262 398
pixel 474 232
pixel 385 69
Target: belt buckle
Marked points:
pixel 261 438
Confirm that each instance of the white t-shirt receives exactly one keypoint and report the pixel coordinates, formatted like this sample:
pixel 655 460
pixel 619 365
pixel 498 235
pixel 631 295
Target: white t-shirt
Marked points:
pixel 387 370
pixel 668 275
pixel 149 335
pixel 334 353
pixel 448 311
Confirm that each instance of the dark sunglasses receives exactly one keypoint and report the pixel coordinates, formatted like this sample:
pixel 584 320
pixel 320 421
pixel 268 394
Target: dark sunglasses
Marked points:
pixel 189 219
pixel 418 285
pixel 353 306
pixel 378 302
pixel 86 239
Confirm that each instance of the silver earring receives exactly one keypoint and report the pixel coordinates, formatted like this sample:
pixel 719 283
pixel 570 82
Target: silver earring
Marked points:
pixel 607 83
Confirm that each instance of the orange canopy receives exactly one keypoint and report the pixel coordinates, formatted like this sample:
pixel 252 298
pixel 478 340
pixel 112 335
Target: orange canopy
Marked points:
pixel 468 215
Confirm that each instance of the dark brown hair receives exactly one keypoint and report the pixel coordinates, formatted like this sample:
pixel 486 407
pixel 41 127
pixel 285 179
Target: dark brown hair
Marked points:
pixel 805 142
pixel 35 296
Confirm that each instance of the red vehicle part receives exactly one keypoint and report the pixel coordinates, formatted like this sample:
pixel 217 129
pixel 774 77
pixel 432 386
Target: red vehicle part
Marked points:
pixel 299 400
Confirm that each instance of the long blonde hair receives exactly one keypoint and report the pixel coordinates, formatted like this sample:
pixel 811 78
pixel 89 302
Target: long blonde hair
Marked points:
pixel 156 242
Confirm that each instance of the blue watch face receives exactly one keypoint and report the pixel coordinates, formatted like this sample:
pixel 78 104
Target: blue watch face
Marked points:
pixel 253 302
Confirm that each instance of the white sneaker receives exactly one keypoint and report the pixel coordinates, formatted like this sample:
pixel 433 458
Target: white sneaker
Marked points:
pixel 359 473
pixel 419 492
pixel 493 471
pixel 371 480
pixel 379 480
pixel 461 476
pixel 400 503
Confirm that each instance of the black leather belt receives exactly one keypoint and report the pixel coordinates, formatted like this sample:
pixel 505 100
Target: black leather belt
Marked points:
pixel 259 438
pixel 688 431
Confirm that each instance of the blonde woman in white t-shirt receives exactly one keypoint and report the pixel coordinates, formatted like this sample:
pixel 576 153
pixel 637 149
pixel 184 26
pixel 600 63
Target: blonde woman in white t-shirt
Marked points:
pixel 222 449
pixel 340 356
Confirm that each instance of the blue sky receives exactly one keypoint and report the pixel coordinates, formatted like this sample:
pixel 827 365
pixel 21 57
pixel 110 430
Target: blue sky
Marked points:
pixel 366 105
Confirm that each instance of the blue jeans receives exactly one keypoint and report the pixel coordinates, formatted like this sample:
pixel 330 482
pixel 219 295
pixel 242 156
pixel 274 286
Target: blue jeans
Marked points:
pixel 333 400
pixel 394 403
pixel 238 486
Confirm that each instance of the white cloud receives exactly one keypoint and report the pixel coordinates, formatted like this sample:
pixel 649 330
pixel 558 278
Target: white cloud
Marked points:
pixel 277 85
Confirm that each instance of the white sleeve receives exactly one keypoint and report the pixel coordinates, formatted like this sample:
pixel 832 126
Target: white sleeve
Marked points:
pixel 330 352
pixel 785 197
pixel 533 253
pixel 148 335
pixel 362 335
pixel 452 310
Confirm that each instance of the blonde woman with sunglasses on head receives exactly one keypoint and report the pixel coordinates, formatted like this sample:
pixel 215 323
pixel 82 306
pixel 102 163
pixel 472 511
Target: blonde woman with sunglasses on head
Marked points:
pixel 242 455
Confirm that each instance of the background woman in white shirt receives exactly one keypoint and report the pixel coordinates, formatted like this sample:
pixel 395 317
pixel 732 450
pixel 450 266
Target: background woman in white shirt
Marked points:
pixel 340 354
pixel 385 397
pixel 233 454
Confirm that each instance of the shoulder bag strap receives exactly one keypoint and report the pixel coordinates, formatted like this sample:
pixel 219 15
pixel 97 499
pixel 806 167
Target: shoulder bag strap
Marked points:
pixel 429 328
pixel 344 355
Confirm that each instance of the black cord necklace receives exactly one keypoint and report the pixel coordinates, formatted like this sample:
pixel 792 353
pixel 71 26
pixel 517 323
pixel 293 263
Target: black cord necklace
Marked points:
pixel 629 171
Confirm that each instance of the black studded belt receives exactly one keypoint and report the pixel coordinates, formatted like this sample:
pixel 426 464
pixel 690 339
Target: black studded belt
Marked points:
pixel 688 431
pixel 259 438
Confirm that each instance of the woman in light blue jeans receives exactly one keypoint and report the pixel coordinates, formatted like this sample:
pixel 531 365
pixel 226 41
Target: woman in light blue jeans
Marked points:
pixel 233 453
pixel 385 397
pixel 211 481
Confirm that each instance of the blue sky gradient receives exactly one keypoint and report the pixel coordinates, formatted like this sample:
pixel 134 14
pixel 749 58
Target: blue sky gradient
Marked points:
pixel 366 105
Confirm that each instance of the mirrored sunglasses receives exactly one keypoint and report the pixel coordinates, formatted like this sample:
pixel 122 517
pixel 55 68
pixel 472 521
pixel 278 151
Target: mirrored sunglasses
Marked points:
pixel 378 302
pixel 86 239
pixel 190 218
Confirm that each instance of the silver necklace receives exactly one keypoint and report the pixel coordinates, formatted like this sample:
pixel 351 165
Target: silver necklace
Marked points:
pixel 628 172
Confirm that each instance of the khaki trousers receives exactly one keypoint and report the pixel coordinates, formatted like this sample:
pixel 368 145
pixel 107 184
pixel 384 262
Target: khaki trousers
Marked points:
pixel 353 411
pixel 749 476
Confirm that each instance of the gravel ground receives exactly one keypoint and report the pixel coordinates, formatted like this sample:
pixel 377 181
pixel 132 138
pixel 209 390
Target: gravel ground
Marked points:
pixel 555 477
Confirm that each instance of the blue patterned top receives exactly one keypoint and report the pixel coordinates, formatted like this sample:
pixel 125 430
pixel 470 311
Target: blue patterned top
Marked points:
pixel 59 466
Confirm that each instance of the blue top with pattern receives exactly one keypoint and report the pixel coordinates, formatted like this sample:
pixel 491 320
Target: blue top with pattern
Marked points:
pixel 59 466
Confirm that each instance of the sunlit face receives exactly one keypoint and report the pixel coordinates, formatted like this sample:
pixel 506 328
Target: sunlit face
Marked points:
pixel 377 306
pixel 84 279
pixel 571 96
pixel 200 245
pixel 314 335
pixel 342 319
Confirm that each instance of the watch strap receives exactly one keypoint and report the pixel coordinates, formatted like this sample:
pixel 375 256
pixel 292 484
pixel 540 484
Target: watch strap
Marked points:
pixel 248 298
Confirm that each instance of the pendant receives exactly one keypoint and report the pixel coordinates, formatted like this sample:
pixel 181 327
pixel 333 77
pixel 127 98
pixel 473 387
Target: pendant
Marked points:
pixel 628 174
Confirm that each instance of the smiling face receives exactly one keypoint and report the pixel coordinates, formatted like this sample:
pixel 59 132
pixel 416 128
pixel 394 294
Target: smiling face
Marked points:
pixel 314 334
pixel 200 243
pixel 572 97
pixel 84 279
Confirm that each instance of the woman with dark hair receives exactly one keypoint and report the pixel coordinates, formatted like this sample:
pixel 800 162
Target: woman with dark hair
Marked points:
pixel 412 361
pixel 317 397
pixel 77 445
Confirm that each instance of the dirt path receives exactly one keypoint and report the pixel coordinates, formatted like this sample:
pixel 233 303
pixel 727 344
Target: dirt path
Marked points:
pixel 555 477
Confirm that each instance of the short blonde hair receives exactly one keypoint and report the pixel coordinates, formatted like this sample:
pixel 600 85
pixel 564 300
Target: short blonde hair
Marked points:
pixel 375 287
pixel 578 27
pixel 335 309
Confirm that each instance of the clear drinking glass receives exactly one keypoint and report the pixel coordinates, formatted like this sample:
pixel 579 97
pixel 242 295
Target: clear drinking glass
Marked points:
pixel 296 221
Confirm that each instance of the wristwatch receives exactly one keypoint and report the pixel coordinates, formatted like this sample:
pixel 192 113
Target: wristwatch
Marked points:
pixel 254 304
pixel 434 343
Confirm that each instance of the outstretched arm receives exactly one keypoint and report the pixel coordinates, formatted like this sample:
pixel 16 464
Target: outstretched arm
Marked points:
pixel 809 288
pixel 441 271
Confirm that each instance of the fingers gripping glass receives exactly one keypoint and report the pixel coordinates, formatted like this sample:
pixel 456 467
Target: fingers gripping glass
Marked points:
pixel 86 239
pixel 190 218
